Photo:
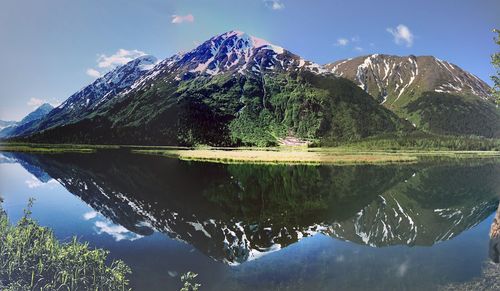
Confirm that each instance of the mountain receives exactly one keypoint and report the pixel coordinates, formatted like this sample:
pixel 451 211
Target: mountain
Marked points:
pixel 433 94
pixel 234 89
pixel 4 124
pixel 28 121
pixel 88 99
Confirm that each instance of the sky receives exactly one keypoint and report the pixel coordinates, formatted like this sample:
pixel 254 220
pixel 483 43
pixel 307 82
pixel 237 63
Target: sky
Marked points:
pixel 50 49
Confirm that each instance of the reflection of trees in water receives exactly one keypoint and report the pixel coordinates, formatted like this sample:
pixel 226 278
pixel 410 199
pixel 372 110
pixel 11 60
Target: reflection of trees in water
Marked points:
pixel 226 211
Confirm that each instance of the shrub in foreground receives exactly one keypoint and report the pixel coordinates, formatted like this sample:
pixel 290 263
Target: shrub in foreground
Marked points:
pixel 31 258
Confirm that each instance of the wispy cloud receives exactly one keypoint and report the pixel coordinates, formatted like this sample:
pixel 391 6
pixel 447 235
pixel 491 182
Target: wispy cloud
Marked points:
pixel 349 42
pixel 93 73
pixel 402 269
pixel 402 35
pixel 106 63
pixel 37 102
pixel 121 57
pixel 35 183
pixel 342 42
pixel 274 4
pixel 178 19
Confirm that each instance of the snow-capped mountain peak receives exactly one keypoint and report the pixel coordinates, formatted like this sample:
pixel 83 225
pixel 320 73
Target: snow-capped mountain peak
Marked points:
pixel 86 100
pixel 249 41
pixel 110 84
pixel 237 51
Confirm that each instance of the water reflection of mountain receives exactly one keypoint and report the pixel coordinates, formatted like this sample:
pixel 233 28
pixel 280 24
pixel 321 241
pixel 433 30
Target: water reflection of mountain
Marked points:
pixel 236 213
pixel 28 162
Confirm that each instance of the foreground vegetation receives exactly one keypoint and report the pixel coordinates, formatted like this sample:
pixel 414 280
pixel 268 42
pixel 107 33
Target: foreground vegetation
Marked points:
pixel 32 258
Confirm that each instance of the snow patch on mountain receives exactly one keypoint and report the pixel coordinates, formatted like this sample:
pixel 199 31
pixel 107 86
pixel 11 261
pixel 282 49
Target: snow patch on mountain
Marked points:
pixel 391 77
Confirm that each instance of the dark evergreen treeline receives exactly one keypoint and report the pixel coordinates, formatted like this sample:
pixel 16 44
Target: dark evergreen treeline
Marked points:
pixel 419 141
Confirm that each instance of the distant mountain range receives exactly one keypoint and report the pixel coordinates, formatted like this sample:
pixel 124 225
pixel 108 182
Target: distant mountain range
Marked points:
pixel 236 89
pixel 30 120
pixel 4 124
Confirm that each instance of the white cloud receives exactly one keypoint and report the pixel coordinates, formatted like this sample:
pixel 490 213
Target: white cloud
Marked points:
pixel 106 63
pixel 35 183
pixel 342 42
pixel 402 35
pixel 347 41
pixel 358 48
pixel 121 57
pixel 275 4
pixel 35 102
pixel 93 73
pixel 178 19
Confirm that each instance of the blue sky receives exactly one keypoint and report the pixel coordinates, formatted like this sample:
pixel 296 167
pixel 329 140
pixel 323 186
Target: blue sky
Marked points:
pixel 50 49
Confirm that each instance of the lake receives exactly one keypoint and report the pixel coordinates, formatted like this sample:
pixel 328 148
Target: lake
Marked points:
pixel 265 227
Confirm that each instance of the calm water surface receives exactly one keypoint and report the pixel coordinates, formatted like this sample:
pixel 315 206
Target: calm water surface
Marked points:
pixel 258 227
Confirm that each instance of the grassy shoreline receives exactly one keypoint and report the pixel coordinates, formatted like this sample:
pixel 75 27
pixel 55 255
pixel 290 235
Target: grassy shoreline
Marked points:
pixel 279 157
pixel 314 156
pixel 254 155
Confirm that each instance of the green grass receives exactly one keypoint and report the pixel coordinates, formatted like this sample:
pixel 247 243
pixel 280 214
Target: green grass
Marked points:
pixel 278 156
pixel 315 156
pixel 381 149
pixel 32 258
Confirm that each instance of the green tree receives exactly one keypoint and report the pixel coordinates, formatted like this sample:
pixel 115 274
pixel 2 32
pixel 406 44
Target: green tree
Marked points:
pixel 495 60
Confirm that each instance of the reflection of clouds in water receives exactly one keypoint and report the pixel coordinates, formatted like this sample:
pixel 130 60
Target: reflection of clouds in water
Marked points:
pixel 339 258
pixel 90 215
pixel 402 269
pixel 118 232
pixel 35 183
pixel 172 273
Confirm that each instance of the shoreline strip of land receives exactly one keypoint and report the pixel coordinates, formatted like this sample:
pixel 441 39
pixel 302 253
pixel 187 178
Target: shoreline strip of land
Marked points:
pixel 279 155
